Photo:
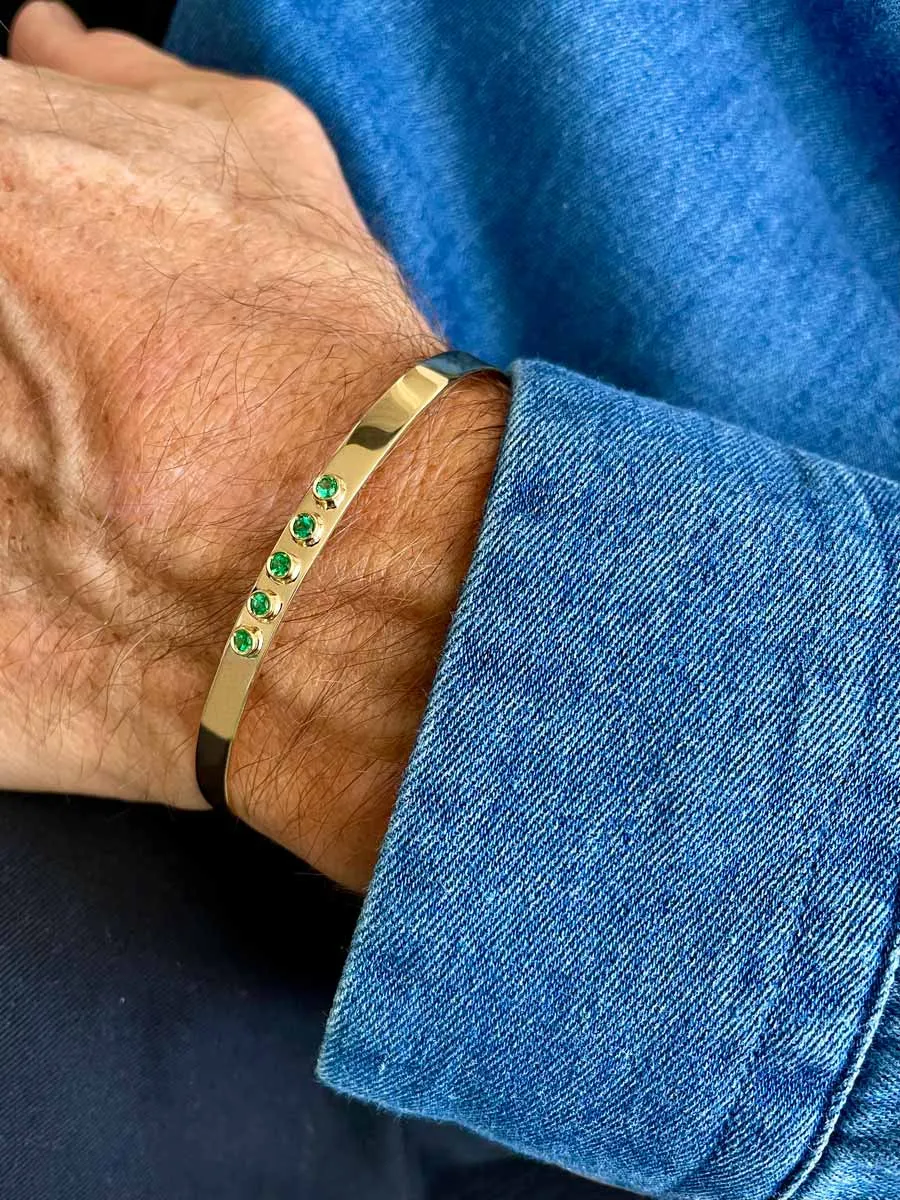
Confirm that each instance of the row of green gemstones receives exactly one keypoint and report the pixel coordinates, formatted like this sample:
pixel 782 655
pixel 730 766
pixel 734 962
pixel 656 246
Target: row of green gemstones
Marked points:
pixel 304 528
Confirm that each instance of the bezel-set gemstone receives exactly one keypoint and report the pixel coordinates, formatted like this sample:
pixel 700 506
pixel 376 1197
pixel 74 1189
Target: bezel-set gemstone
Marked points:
pixel 306 528
pixel 281 566
pixel 328 489
pixel 263 605
pixel 244 641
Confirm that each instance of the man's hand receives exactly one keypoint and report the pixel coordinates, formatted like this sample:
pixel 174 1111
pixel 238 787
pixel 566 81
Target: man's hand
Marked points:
pixel 192 316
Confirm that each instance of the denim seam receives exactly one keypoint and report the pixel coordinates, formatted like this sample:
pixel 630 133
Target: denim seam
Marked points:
pixel 882 981
pixel 766 1029
pixel 834 1103
pixel 879 993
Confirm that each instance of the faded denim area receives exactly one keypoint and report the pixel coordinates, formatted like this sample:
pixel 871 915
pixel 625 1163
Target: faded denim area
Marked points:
pixel 636 910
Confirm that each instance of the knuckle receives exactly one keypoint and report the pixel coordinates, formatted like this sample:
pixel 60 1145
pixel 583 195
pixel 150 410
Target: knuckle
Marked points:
pixel 273 100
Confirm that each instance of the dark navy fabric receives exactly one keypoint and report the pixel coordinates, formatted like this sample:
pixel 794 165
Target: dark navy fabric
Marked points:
pixel 164 983
pixel 636 910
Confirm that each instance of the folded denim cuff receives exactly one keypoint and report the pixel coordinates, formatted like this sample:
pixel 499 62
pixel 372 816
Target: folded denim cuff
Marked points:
pixel 635 911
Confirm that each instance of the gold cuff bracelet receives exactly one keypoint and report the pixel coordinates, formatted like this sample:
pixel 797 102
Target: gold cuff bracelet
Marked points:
pixel 297 548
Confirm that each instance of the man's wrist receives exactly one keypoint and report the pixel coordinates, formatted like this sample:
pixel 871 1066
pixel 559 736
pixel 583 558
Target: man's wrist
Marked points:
pixel 332 720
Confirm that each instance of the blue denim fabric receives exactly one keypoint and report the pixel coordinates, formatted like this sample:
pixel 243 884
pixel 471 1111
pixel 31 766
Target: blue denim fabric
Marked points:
pixel 636 910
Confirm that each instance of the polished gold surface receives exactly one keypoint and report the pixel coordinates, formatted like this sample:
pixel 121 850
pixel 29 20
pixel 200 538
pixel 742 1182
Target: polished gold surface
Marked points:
pixel 369 443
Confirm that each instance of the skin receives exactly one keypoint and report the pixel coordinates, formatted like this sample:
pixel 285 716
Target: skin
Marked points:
pixel 192 317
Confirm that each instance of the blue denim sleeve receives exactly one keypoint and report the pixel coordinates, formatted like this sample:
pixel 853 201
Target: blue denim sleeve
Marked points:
pixel 635 911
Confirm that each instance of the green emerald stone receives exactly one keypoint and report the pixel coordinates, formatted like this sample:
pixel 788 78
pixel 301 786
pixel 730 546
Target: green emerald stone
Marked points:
pixel 280 565
pixel 304 527
pixel 243 641
pixel 327 487
pixel 260 604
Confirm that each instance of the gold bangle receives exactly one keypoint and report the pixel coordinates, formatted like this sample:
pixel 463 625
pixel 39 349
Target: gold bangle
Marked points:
pixel 300 543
